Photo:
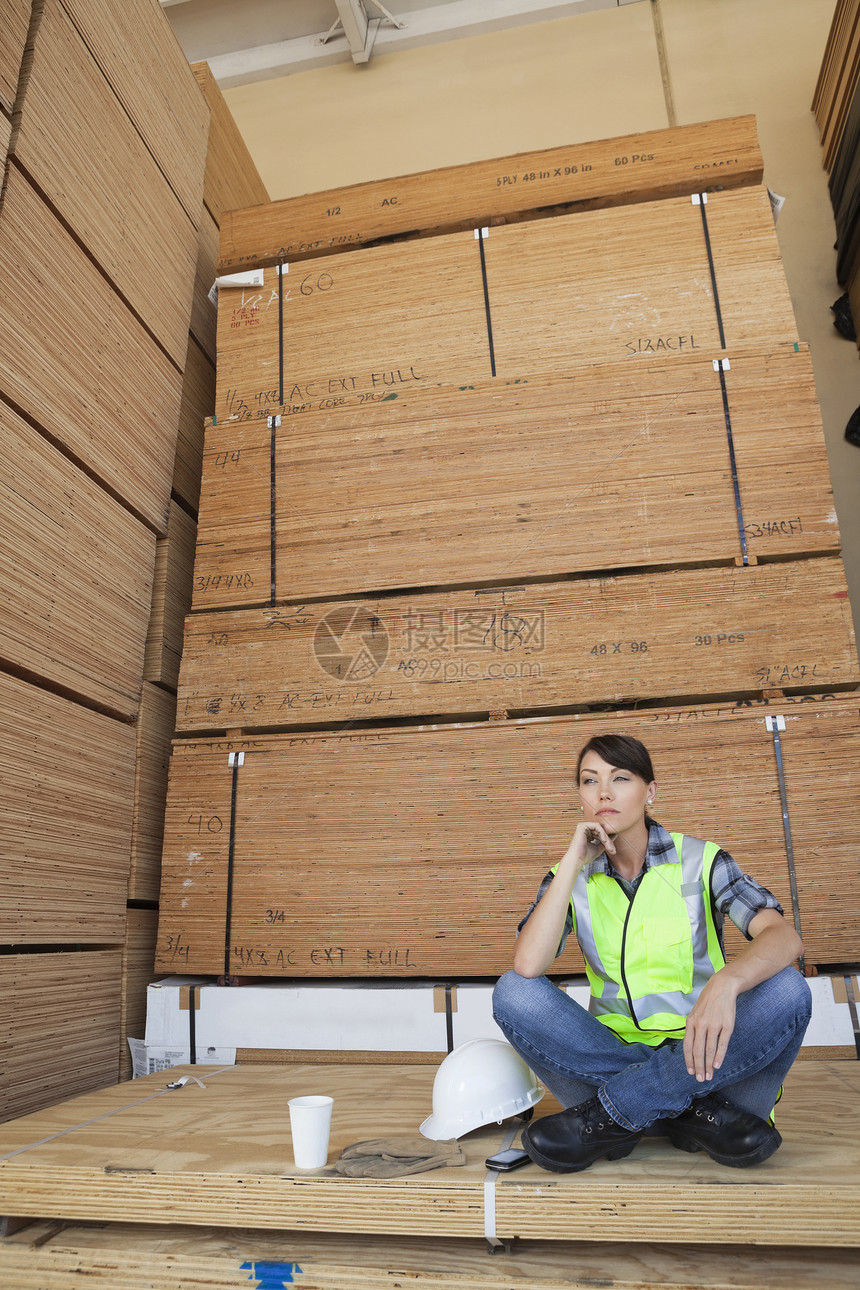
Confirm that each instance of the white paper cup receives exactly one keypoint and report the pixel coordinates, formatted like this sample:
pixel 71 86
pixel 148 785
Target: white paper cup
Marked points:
pixel 310 1122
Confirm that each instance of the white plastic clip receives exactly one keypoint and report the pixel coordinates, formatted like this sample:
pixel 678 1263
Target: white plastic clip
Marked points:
pixel 482 233
pixel 236 759
pixel 722 363
pixel 699 199
pixel 774 723
pixel 180 1083
pixel 282 269
pixel 273 422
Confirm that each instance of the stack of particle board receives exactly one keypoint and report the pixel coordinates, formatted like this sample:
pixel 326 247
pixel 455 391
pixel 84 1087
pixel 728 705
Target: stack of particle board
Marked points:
pixel 99 221
pixel 571 460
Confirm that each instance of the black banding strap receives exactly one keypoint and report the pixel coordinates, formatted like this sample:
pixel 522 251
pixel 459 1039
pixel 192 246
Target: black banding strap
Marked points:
pixel 192 1022
pixel 236 761
pixel 773 723
pixel 279 269
pixel 702 207
pixel 274 422
pixel 718 365
pixel 479 234
pixel 449 1019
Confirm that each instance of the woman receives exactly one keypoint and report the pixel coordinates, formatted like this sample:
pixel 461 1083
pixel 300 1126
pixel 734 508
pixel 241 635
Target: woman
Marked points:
pixel 667 1014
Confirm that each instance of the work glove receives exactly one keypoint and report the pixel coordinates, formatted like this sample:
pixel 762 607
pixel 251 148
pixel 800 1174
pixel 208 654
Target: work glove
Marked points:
pixel 396 1157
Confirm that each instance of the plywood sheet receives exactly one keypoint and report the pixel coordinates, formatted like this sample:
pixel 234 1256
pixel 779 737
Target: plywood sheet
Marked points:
pixel 232 179
pixel 142 60
pixel 75 359
pixel 46 1256
pixel 65 820
pixel 203 313
pixel 5 135
pixel 517 478
pixel 198 403
pixel 138 954
pixel 197 1155
pixel 77 568
pixel 136 229
pixel 154 732
pixel 562 294
pixel 606 172
pixel 660 636
pixel 14 21
pixel 61 1024
pixel 171 598
pixel 338 836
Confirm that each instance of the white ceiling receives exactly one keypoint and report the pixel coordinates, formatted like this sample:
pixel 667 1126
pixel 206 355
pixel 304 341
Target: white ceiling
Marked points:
pixel 253 40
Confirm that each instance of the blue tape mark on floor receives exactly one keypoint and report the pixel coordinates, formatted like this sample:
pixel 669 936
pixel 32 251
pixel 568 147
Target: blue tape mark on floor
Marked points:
pixel 270 1276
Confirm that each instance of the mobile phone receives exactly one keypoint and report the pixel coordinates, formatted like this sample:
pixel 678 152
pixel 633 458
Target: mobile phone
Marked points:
pixel 504 1161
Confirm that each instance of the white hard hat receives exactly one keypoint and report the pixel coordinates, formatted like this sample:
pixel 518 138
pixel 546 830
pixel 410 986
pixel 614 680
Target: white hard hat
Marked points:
pixel 481 1081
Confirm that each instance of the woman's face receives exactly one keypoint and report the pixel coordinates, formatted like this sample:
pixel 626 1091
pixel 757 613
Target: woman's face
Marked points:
pixel 616 798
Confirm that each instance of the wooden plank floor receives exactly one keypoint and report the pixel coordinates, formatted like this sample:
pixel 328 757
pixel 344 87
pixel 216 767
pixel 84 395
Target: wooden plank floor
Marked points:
pixel 209 1155
pixel 119 1256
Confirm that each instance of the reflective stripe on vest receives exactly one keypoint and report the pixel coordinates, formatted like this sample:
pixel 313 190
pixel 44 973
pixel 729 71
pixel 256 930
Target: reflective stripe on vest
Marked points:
pixel 649 958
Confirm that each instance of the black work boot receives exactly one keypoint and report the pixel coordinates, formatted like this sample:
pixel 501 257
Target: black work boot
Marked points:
pixel 729 1135
pixel 575 1138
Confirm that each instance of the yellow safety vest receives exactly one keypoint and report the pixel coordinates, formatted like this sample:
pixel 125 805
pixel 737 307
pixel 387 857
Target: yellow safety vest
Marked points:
pixel 648 958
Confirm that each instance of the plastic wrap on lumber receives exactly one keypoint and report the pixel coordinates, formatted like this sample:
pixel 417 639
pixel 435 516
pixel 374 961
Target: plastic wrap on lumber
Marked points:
pixel 171 598
pixel 517 478
pixel 79 146
pixel 154 731
pixel 627 283
pixel 77 569
pixel 146 68
pixel 606 172
pixel 416 851
pixel 231 179
pixel 61 1015
pixel 176 1257
pixel 668 635
pixel 198 403
pixel 14 21
pixel 77 361
pixel 65 819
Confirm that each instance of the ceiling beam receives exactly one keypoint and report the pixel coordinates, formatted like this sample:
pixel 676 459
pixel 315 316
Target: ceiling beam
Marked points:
pixel 431 25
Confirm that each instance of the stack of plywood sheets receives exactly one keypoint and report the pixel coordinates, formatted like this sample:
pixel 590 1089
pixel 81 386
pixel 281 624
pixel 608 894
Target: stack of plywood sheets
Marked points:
pixel 99 226
pixel 230 178
pixel 429 843
pixel 545 295
pixel 837 79
pixel 219 1147
pixel 60 1020
pixel 583 176
pixel 569 460
pixel 511 478
pixel 47 1255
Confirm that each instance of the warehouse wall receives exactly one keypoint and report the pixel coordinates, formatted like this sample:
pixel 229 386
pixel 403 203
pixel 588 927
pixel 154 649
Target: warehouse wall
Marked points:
pixel 639 67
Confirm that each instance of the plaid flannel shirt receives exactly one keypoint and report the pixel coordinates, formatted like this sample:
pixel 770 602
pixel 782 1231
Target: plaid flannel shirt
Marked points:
pixel 734 894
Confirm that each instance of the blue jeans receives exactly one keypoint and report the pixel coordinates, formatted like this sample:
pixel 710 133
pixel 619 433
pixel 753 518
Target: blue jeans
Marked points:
pixel 576 1056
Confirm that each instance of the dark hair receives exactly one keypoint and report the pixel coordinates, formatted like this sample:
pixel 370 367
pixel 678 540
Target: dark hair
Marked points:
pixel 622 751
